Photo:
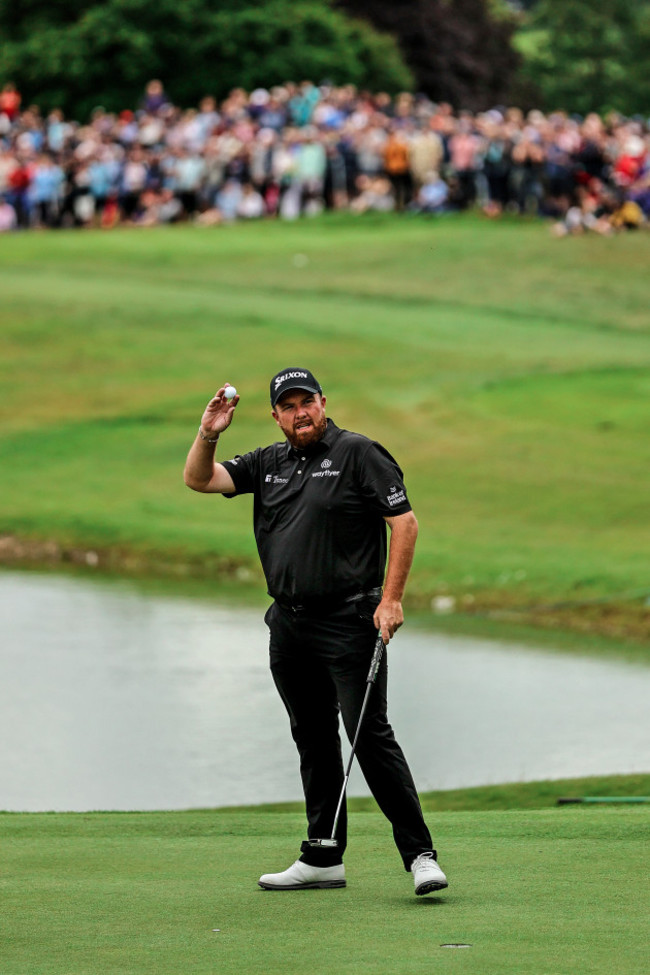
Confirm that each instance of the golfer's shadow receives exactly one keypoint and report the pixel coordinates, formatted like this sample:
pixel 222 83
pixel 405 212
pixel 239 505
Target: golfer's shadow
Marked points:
pixel 424 901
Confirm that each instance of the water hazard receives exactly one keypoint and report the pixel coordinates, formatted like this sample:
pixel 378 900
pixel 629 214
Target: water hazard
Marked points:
pixel 111 699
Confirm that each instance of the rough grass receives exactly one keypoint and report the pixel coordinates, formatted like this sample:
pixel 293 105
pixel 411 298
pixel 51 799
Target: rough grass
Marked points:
pixel 508 371
pixel 514 795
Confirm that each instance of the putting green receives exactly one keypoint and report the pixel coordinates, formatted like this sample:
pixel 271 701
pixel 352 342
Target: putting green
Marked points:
pixel 555 891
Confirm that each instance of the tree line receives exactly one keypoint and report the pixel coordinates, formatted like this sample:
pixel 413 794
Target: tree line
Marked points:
pixel 574 55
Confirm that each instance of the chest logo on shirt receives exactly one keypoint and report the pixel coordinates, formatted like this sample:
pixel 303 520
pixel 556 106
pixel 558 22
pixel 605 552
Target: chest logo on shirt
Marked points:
pixel 274 479
pixel 325 469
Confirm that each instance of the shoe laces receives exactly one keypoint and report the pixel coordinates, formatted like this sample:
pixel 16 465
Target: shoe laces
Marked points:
pixel 423 860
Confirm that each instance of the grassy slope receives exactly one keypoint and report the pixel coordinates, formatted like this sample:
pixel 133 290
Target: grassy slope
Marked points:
pixel 517 795
pixel 533 891
pixel 523 363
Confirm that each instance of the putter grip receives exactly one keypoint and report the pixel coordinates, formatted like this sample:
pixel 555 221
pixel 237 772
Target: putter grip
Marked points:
pixel 376 660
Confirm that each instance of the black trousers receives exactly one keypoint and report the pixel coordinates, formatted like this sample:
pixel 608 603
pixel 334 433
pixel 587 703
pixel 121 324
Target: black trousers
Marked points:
pixel 320 666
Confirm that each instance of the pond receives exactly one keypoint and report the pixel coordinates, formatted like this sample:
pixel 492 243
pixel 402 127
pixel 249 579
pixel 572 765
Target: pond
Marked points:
pixel 115 699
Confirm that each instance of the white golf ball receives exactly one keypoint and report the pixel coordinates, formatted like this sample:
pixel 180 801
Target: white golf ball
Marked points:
pixel 229 392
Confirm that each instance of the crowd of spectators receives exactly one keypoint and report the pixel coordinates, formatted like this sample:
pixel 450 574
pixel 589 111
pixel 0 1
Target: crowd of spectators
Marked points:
pixel 296 150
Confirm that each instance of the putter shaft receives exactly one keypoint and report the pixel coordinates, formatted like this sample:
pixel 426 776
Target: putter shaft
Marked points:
pixel 370 680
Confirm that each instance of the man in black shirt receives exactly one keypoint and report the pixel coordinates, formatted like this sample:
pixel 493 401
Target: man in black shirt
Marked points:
pixel 322 500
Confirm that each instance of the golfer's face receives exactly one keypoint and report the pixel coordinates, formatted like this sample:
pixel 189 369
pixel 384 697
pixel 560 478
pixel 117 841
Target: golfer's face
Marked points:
pixel 301 416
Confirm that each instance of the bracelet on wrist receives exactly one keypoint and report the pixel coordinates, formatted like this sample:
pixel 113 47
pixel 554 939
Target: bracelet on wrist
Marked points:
pixel 207 439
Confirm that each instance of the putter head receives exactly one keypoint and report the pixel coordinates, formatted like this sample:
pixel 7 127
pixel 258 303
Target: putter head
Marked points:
pixel 327 843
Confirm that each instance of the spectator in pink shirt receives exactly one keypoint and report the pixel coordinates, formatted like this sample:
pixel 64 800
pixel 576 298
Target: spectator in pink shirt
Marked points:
pixel 464 148
pixel 8 220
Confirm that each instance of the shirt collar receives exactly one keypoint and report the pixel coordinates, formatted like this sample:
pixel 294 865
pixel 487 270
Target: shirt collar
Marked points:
pixel 322 445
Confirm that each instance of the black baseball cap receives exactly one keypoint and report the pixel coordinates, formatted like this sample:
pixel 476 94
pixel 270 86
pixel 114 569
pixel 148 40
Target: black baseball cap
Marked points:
pixel 293 378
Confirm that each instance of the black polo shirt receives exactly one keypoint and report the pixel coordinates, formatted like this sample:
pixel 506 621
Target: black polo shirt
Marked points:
pixel 319 512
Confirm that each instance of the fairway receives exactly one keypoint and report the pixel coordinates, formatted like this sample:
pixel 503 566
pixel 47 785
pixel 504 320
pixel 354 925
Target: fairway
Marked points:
pixel 522 364
pixel 558 891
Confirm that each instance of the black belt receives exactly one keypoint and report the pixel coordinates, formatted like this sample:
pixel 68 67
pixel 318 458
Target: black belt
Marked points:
pixel 321 605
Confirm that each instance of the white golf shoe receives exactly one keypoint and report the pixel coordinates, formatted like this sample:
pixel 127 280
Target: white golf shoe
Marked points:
pixel 427 875
pixel 302 876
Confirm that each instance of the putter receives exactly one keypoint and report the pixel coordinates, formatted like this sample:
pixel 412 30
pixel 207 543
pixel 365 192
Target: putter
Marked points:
pixel 370 680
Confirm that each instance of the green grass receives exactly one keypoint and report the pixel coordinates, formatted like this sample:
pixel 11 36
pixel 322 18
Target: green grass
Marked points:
pixel 555 890
pixel 513 795
pixel 523 364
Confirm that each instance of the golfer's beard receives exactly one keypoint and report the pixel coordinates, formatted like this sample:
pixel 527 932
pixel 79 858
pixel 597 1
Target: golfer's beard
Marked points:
pixel 308 437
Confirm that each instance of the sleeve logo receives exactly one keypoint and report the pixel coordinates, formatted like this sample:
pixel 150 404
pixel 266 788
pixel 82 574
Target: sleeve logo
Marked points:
pixel 396 495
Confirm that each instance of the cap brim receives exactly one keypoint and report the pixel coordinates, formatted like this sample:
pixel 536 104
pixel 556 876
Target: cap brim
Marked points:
pixel 307 389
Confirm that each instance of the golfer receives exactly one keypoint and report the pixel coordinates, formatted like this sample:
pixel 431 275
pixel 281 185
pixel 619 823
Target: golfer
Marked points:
pixel 322 500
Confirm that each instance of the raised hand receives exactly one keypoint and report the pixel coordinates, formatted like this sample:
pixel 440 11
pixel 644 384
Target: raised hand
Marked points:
pixel 217 415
